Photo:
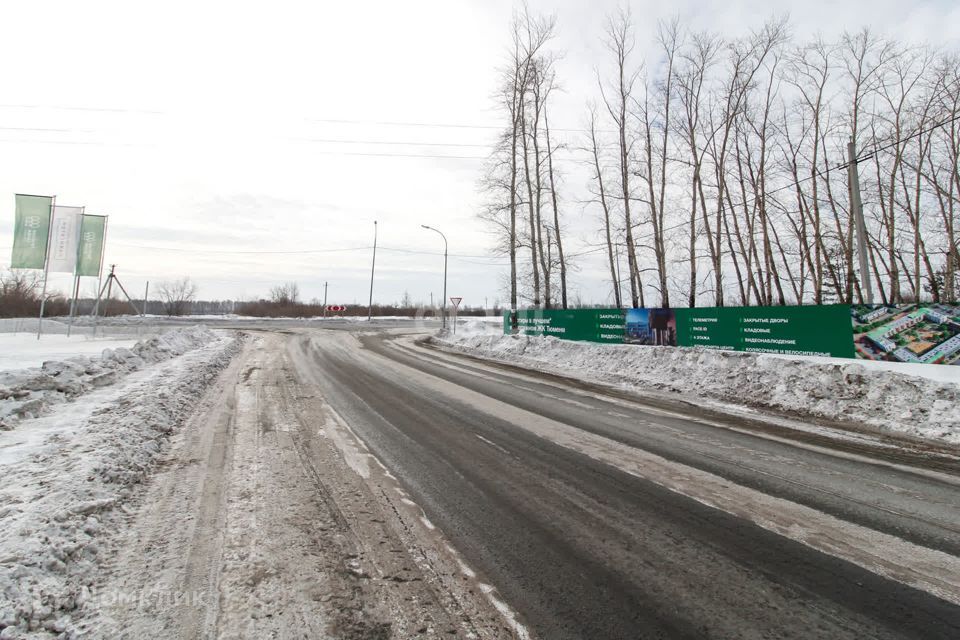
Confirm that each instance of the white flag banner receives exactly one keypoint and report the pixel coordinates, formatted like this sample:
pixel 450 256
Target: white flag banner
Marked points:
pixel 64 239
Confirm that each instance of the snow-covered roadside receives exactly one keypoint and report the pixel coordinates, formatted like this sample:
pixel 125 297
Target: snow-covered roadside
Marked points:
pixel 23 350
pixel 67 475
pixel 28 393
pixel 848 392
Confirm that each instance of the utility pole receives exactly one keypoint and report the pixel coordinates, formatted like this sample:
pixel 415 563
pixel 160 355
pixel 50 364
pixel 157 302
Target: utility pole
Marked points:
pixel 373 267
pixel 108 286
pixel 146 294
pixel 443 308
pixel 109 289
pixel 856 208
pixel 324 299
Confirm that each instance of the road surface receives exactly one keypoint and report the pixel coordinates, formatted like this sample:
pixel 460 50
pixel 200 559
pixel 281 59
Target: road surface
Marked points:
pixel 522 505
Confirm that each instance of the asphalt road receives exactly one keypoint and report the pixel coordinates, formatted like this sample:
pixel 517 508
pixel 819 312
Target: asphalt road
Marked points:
pixel 601 516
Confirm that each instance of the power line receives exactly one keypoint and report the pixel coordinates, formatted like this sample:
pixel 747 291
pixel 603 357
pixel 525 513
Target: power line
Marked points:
pixel 914 135
pixel 865 155
pixel 44 130
pixel 241 252
pixel 75 108
pixel 584 253
pixel 386 123
pixel 78 142
pixel 491 147
pixel 437 125
pixel 437 253
pixel 394 142
pixel 299 251
pixel 348 121
pixel 400 155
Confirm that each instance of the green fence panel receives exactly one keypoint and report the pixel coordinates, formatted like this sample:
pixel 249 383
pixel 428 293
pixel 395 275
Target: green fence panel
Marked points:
pixel 591 325
pixel 810 331
pixel 814 330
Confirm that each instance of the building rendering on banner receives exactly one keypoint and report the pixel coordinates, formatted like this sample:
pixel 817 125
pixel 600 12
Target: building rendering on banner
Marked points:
pixel 872 315
pixel 926 335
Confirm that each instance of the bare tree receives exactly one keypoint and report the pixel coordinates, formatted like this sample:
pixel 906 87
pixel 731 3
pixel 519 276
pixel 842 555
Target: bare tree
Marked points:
pixel 19 292
pixel 864 56
pixel 691 83
pixel 655 155
pixel 809 71
pixel 745 59
pixel 530 34
pixel 557 228
pixel 177 295
pixel 729 160
pixel 287 293
pixel 24 283
pixel 530 127
pixel 620 42
pixel 604 204
pixel 943 173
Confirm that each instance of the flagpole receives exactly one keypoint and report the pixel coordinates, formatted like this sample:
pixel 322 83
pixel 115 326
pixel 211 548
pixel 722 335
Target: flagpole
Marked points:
pixel 103 251
pixel 46 265
pixel 73 302
pixel 76 271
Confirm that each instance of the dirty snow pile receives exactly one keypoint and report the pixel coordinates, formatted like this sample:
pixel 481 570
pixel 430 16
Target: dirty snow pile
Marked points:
pixel 27 393
pixel 840 390
pixel 23 350
pixel 68 475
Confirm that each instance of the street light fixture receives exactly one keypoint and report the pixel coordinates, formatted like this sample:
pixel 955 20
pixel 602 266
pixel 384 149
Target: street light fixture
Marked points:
pixel 373 266
pixel 443 304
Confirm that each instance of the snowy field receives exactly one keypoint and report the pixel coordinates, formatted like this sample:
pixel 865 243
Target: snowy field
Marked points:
pixel 28 391
pixel 922 401
pixel 22 350
pixel 75 436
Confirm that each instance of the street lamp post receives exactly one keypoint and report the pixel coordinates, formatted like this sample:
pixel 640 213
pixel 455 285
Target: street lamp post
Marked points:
pixel 373 266
pixel 443 303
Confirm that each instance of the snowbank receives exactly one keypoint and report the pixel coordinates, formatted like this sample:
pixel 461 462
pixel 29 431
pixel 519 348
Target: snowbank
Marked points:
pixel 846 391
pixel 22 350
pixel 27 393
pixel 67 475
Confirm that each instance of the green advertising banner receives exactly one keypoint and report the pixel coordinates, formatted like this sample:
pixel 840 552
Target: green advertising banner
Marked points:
pixel 813 331
pixel 592 325
pixel 31 227
pixel 822 330
pixel 92 232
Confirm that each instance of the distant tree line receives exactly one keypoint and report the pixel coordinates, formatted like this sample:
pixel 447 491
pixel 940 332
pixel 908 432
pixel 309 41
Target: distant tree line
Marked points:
pixel 284 302
pixel 20 292
pixel 719 168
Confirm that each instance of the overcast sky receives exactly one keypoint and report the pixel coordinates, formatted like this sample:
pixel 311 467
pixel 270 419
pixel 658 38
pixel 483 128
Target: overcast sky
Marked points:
pixel 205 129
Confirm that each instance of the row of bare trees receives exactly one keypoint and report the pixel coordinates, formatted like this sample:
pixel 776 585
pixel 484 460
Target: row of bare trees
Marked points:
pixel 719 168
pixel 521 180
pixel 20 291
